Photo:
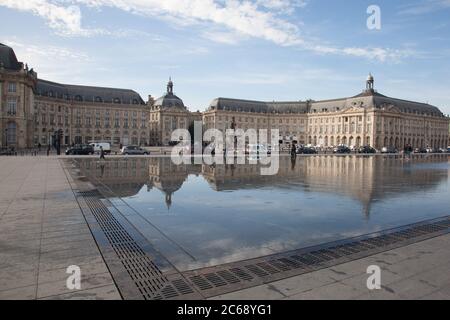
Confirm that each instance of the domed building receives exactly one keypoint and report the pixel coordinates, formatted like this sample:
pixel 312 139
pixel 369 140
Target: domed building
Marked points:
pixel 167 114
pixel 366 119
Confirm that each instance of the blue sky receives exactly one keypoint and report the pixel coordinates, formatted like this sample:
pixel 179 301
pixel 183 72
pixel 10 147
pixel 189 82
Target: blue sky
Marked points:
pixel 262 49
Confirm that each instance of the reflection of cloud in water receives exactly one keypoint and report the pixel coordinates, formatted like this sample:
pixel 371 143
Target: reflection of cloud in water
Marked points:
pixel 224 213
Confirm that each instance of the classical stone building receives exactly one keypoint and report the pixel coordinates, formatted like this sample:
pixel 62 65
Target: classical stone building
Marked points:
pixel 32 110
pixel 88 114
pixel 17 85
pixel 369 118
pixel 167 114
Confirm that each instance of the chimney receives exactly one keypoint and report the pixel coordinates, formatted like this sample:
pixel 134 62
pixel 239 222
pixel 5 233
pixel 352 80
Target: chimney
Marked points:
pixel 150 101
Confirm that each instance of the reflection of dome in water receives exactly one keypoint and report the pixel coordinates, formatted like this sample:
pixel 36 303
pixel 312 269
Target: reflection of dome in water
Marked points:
pixel 169 185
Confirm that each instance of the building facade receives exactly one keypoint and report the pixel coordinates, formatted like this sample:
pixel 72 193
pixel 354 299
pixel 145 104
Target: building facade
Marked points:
pixel 369 118
pixel 167 114
pixel 33 109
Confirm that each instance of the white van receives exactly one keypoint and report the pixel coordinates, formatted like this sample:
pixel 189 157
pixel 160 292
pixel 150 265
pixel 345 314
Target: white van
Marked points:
pixel 105 145
pixel 257 149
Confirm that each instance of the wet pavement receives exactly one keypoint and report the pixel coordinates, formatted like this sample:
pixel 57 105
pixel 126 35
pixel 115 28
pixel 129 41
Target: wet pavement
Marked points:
pixel 201 215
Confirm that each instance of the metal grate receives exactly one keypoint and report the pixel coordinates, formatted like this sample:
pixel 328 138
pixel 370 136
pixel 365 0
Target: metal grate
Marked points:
pixel 221 279
pixel 243 274
pixel 140 267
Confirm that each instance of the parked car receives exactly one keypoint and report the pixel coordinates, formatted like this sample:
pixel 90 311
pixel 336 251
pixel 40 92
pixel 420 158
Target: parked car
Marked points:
pixel 420 150
pixel 367 150
pixel 342 149
pixel 389 150
pixel 105 145
pixel 448 149
pixel 306 150
pixel 134 150
pixel 6 152
pixel 80 149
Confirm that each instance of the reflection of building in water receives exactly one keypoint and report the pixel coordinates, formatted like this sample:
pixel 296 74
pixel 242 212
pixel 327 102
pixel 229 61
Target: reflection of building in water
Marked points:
pixel 233 177
pixel 169 177
pixel 125 177
pixel 364 178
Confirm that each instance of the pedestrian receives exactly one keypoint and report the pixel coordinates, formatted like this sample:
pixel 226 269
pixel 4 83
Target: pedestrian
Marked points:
pixel 39 147
pixel 293 150
pixel 102 153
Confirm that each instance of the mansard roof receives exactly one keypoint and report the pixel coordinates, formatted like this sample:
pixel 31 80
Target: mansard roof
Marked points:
pixel 8 58
pixel 373 99
pixel 258 106
pixel 87 93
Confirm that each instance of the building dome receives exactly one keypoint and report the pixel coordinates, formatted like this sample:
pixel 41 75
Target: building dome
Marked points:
pixel 370 77
pixel 8 58
pixel 169 99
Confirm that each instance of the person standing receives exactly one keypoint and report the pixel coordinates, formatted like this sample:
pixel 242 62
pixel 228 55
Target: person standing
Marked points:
pixel 293 150
pixel 102 153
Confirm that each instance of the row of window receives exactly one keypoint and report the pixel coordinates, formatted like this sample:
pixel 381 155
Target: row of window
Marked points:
pixel 80 98
pixel 52 108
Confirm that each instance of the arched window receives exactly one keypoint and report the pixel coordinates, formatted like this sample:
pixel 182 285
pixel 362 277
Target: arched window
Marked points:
pixel 135 101
pixel 98 99
pixel 116 100
pixel 78 98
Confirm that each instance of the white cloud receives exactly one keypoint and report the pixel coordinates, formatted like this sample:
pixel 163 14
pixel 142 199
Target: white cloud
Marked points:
pixel 282 6
pixel 49 59
pixel 29 51
pixel 65 19
pixel 261 19
pixel 223 37
pixel 425 7
pixel 371 53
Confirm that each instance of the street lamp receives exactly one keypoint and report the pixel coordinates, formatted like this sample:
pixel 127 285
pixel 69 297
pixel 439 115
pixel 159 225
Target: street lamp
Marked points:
pixel 6 137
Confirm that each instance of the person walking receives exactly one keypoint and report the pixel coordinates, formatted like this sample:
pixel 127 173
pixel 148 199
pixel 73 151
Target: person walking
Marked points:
pixel 293 150
pixel 102 153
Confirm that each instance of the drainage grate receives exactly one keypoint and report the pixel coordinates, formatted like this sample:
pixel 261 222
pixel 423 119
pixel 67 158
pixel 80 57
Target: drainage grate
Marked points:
pixel 149 280
pixel 153 283
pixel 244 274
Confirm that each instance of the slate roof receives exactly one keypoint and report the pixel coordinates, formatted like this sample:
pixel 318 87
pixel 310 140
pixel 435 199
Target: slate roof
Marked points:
pixel 258 106
pixel 367 99
pixel 8 58
pixel 169 100
pixel 87 93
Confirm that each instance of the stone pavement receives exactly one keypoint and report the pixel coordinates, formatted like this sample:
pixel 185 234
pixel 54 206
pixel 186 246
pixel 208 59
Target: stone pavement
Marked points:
pixel 417 271
pixel 42 232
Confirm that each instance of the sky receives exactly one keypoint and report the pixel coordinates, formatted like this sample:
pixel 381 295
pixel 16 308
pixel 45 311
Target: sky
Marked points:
pixel 284 50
